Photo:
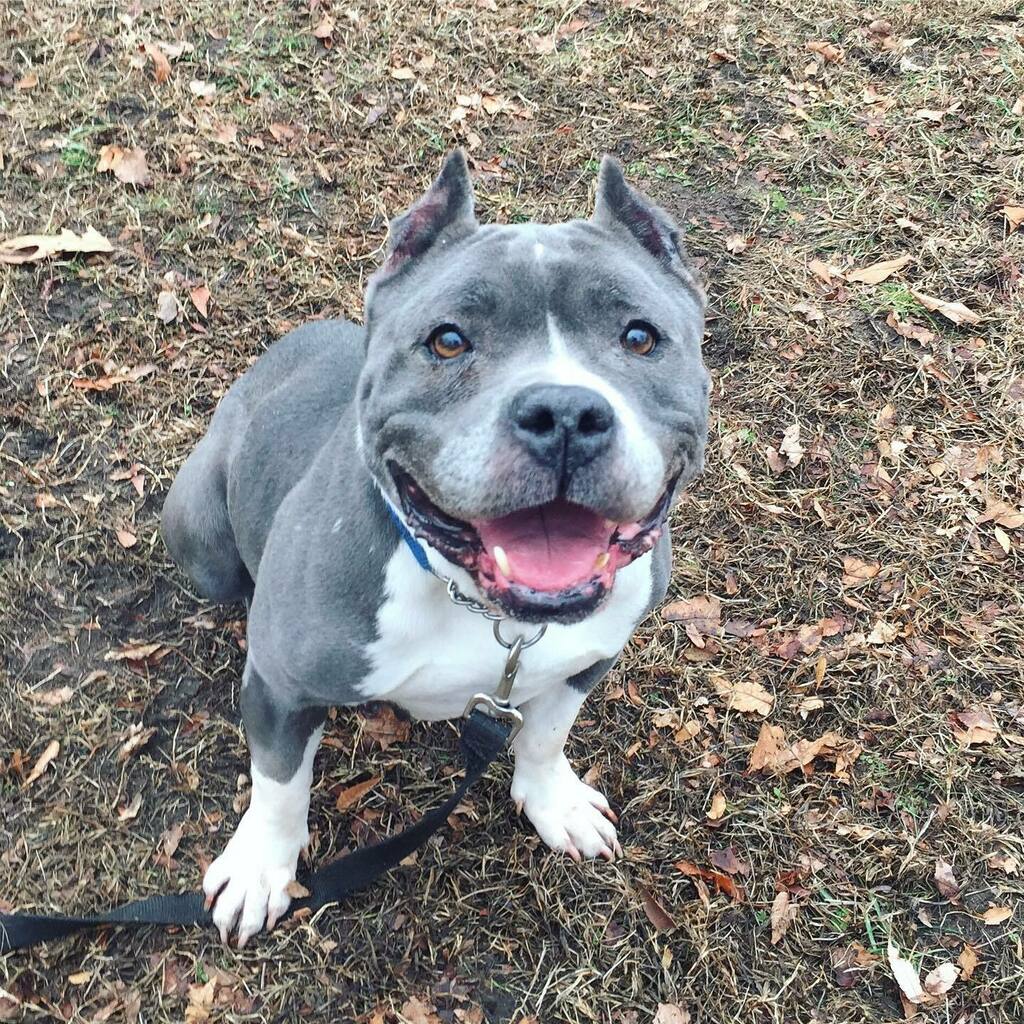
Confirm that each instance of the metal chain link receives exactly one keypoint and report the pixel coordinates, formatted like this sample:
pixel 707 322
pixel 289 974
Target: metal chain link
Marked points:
pixel 457 597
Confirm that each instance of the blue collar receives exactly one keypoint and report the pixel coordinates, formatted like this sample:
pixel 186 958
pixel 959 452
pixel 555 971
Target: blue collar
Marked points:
pixel 411 542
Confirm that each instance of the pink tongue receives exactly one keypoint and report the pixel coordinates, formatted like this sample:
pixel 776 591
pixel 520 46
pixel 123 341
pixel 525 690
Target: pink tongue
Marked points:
pixel 550 547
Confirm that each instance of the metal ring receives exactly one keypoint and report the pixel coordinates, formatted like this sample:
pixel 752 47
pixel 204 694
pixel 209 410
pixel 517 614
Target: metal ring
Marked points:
pixel 508 645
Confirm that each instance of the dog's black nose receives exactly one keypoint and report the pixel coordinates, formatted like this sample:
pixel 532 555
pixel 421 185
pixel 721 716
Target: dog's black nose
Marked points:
pixel 563 427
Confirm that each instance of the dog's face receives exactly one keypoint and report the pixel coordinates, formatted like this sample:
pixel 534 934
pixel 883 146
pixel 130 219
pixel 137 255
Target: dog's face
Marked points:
pixel 534 395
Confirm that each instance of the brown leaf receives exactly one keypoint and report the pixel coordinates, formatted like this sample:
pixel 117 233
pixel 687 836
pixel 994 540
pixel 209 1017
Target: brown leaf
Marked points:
pixel 978 727
pixel 957 312
pixel 169 842
pixel 138 652
pixel 996 915
pixel 722 882
pixel 717 809
pixel 1014 217
pixel 415 1011
pixel 51 698
pixel 161 65
pixel 702 613
pixel 856 571
pixel 745 695
pixel 968 961
pixel 878 272
pixel 324 28
pixel 138 737
pixel 944 880
pixel 51 751
pixel 783 915
pixel 1006 862
pixel 384 727
pixel 656 913
pixel 670 1013
pixel 765 754
pixel 33 248
pixel 127 375
pixel 128 812
pixel 200 297
pixel 296 890
pixel 729 861
pixel 353 794
pixel 127 165
pixel 829 51
pixel 27 82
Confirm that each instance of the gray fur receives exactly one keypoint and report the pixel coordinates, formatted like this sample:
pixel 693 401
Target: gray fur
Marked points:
pixel 281 500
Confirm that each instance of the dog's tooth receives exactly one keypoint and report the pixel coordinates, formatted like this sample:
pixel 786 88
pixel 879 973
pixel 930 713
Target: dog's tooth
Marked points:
pixel 602 560
pixel 501 560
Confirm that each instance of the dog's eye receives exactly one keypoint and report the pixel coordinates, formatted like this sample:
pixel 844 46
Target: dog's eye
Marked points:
pixel 447 342
pixel 640 338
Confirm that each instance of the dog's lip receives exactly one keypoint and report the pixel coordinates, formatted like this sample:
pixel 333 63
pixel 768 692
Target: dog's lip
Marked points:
pixel 573 579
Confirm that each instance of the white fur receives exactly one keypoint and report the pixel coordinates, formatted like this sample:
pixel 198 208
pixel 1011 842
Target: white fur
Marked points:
pixel 432 656
pixel 259 861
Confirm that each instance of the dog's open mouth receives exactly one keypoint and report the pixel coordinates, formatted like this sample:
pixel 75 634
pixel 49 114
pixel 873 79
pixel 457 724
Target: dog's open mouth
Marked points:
pixel 555 561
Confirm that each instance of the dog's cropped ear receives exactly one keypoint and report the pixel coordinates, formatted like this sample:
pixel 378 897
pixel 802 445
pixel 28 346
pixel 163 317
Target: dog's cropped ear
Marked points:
pixel 443 213
pixel 619 206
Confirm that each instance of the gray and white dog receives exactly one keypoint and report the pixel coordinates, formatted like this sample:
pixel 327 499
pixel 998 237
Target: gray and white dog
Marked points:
pixel 527 400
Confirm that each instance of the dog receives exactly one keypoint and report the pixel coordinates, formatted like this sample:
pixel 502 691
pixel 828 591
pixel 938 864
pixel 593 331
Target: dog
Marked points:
pixel 527 401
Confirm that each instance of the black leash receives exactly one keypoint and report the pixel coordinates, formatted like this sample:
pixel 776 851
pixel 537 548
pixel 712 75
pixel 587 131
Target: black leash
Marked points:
pixel 482 739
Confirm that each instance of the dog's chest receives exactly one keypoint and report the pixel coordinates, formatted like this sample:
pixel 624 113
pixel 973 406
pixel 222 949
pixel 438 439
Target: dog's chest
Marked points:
pixel 431 656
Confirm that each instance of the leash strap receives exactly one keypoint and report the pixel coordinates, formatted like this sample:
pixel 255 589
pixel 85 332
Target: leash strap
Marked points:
pixel 481 740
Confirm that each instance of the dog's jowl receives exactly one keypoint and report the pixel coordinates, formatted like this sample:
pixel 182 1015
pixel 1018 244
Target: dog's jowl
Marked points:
pixel 525 400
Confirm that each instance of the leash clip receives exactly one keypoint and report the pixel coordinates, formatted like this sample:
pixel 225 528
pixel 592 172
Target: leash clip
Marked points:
pixel 498 706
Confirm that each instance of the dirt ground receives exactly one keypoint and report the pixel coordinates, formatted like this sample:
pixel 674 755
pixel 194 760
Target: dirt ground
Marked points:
pixel 820 756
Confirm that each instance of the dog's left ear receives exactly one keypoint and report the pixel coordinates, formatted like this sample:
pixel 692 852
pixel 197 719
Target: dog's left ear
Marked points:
pixel 442 214
pixel 620 206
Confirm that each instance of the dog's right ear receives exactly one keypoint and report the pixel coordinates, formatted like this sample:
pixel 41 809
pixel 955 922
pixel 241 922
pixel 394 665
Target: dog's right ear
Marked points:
pixel 442 214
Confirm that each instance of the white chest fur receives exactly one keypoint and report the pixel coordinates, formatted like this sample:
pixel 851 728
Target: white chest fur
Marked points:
pixel 432 656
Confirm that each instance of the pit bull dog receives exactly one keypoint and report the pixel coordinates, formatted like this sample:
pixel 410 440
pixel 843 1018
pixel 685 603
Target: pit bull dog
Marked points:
pixel 528 401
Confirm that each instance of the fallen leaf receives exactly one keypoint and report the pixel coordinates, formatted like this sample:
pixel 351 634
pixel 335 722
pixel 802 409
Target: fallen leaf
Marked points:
pixel 968 961
pixel 127 165
pixel 1014 217
pixel 202 90
pixel 791 446
pixel 996 915
pixel 656 913
pixel 353 794
pixel 161 65
pixel 765 754
pixel 722 882
pixel 878 272
pixel 296 890
pixel 702 613
pixel 829 51
pixel 384 727
pixel 403 74
pixel 200 297
pixel 941 979
pixel 51 751
pixel 134 652
pixel 670 1013
pixel 737 243
pixel 138 737
pixel 27 82
pixel 720 56
pixel 747 696
pixel 717 809
pixel 913 332
pixel 167 307
pixel 324 28
pixel 978 727
pixel 729 861
pixel 945 882
pixel 957 312
pixel 825 271
pixel 1006 862
pixel 127 375
pixel 51 698
pixel 80 978
pixel 32 248
pixel 906 976
pixel 128 812
pixel 415 1011
pixel 783 915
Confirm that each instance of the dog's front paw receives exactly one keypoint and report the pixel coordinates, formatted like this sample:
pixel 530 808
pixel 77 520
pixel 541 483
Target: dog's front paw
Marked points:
pixel 248 883
pixel 568 814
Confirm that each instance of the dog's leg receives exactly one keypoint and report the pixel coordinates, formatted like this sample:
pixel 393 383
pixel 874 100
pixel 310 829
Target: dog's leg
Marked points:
pixel 247 884
pixel 568 814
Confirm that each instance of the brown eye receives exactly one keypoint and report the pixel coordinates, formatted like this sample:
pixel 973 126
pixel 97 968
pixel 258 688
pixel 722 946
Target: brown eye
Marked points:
pixel 447 342
pixel 639 338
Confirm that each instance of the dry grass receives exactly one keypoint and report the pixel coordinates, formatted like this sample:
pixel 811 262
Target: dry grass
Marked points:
pixel 908 442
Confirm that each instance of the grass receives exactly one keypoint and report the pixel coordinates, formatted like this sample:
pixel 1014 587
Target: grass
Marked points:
pixel 907 447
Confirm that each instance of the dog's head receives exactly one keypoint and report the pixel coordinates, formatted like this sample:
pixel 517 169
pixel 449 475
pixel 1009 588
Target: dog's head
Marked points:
pixel 534 396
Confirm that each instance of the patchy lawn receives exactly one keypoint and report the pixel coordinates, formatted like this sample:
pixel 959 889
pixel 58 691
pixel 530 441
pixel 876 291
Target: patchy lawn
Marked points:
pixel 820 753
